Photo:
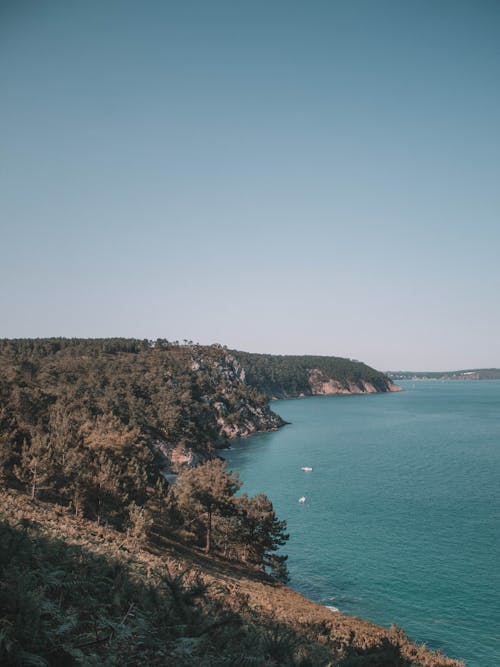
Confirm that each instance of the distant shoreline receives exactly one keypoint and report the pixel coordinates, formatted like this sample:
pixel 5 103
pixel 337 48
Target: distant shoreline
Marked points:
pixel 474 374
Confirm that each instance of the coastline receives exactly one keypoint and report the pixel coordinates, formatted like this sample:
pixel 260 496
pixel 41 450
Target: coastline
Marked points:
pixel 442 660
pixel 233 585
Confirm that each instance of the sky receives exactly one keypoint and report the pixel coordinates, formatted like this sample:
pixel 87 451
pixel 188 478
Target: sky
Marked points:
pixel 316 177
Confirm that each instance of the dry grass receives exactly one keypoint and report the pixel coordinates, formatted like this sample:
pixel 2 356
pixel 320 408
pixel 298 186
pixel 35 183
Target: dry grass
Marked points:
pixel 250 594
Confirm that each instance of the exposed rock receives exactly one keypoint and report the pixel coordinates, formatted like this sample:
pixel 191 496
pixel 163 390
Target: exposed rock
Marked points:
pixel 322 385
pixel 231 408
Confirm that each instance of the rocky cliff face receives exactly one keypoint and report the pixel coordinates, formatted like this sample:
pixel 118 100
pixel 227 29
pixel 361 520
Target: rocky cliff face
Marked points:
pixel 290 376
pixel 234 393
pixel 228 406
pixel 237 408
pixel 321 384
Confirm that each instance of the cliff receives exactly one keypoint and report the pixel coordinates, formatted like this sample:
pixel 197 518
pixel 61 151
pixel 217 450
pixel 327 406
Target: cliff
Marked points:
pixel 105 552
pixel 292 376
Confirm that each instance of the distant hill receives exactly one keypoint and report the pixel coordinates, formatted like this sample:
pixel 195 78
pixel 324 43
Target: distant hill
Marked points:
pixel 469 374
pixel 290 376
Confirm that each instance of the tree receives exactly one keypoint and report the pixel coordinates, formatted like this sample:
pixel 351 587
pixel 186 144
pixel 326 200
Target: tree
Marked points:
pixel 36 465
pixel 261 534
pixel 205 492
pixel 140 522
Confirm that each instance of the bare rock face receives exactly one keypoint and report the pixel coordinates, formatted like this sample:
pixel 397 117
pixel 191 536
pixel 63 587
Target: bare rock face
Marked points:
pixel 322 385
pixel 394 387
pixel 173 457
pixel 253 419
pixel 239 411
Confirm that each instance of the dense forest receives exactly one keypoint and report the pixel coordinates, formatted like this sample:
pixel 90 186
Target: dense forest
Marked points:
pixel 289 376
pixel 85 424
pixel 92 424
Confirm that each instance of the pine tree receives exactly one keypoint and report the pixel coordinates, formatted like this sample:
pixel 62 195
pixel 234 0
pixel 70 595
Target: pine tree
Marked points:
pixel 36 465
pixel 140 521
pixel 205 492
pixel 261 533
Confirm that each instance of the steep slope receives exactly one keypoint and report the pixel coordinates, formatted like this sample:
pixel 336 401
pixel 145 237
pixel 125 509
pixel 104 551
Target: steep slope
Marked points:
pixel 184 400
pixel 84 594
pixel 291 376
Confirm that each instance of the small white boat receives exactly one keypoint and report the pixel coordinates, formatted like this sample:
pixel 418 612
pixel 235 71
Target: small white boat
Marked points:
pixel 306 468
pixel 302 500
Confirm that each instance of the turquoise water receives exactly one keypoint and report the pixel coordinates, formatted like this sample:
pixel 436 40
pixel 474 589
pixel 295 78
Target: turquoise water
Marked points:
pixel 401 522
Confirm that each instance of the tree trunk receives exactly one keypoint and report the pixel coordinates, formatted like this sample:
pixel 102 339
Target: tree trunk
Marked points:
pixel 208 543
pixel 34 482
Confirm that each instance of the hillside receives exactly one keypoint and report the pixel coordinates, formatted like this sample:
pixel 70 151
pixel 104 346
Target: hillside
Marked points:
pixel 75 593
pixel 179 402
pixel 291 376
pixel 103 562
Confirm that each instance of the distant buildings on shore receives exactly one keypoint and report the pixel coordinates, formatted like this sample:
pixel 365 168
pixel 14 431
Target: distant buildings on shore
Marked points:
pixel 474 374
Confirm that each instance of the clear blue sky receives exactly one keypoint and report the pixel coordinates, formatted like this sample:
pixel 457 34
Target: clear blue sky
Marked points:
pixel 288 177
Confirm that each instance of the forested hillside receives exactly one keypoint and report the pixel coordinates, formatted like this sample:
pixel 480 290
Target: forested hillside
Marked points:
pixel 87 426
pixel 103 562
pixel 186 398
pixel 290 376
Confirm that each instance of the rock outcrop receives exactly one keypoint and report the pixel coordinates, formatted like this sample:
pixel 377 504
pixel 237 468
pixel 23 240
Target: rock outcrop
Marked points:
pixel 323 385
pixel 228 405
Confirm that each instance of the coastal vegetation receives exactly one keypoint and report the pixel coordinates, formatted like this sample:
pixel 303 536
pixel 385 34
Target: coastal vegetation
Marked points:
pixel 288 376
pixel 105 562
pixel 76 593
pixel 78 425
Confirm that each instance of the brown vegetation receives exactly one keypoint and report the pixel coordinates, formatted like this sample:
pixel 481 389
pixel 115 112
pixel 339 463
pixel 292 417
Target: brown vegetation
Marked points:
pixel 262 619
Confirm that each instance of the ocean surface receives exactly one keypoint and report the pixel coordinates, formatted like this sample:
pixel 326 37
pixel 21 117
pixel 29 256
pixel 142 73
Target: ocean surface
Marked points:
pixel 401 522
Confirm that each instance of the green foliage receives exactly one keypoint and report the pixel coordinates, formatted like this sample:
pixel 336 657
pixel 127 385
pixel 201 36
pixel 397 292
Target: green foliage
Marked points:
pixel 140 522
pixel 240 527
pixel 205 493
pixel 261 533
pixel 79 421
pixel 281 376
pixel 61 605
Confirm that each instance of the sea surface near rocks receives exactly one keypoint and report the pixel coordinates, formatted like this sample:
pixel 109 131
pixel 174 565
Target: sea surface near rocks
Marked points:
pixel 401 522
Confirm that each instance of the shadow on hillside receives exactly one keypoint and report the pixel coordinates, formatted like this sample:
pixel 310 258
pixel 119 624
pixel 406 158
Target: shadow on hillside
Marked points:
pixel 210 563
pixel 63 605
pixel 385 655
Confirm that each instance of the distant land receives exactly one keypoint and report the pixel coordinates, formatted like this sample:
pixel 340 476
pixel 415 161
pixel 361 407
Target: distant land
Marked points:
pixel 470 374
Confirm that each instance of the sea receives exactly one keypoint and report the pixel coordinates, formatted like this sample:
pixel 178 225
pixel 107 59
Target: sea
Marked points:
pixel 401 519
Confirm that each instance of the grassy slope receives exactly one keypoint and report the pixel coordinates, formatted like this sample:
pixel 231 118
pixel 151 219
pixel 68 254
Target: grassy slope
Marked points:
pixel 312 634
